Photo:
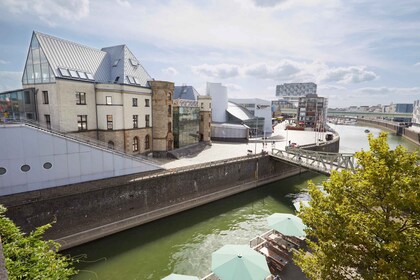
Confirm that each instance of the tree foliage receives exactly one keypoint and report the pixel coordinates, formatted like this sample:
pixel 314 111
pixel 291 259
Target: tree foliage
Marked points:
pixel 30 257
pixel 366 225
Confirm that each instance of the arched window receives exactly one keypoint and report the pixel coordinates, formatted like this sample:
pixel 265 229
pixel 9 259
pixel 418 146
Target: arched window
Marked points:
pixel 147 142
pixel 169 126
pixel 169 95
pixel 110 145
pixel 135 144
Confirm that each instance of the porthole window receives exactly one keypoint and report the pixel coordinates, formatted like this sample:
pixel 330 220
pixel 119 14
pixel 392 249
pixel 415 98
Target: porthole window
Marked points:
pixel 25 168
pixel 47 165
pixel 2 170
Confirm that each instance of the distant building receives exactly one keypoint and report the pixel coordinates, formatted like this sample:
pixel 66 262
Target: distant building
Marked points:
pixel 259 108
pixel 312 111
pixel 292 91
pixel 416 112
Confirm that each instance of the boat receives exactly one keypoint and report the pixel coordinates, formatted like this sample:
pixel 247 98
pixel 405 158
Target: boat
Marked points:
pixel 367 130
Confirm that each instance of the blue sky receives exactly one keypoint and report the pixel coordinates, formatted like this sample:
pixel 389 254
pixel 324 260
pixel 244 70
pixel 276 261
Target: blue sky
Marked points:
pixel 358 52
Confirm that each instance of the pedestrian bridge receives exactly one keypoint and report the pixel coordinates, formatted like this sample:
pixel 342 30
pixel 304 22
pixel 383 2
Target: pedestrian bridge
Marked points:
pixel 321 162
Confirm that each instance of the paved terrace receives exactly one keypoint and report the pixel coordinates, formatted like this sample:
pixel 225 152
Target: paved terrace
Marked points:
pixel 223 150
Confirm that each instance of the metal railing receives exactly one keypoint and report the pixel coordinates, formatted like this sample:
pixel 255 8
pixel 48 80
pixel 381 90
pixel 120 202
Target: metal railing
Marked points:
pixel 318 161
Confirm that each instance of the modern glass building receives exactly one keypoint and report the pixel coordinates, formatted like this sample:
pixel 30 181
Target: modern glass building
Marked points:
pixel 186 118
pixel 17 105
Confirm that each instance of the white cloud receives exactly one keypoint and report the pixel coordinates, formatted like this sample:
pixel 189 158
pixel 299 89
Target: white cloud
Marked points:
pixel 222 71
pixel 417 64
pixel 3 61
pixel 124 3
pixel 233 87
pixel 289 71
pixel 10 80
pixel 171 71
pixel 268 3
pixel 348 75
pixel 49 11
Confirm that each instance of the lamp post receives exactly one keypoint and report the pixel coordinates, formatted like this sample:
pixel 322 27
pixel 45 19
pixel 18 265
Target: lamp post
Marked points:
pixel 256 134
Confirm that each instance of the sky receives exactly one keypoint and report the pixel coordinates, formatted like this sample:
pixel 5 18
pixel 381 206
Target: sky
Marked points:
pixel 358 52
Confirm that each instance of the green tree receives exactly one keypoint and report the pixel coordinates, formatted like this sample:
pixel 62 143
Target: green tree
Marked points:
pixel 366 225
pixel 30 257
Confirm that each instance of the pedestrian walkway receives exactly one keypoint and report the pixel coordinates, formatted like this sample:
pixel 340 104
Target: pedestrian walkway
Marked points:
pixel 223 150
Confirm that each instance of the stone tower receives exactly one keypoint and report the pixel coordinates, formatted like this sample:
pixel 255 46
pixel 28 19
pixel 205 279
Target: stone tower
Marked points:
pixel 204 102
pixel 162 121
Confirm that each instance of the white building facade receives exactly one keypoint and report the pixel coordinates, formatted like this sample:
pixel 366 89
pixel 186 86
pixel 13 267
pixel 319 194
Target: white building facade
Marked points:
pixel 416 112
pixel 219 97
pixel 259 108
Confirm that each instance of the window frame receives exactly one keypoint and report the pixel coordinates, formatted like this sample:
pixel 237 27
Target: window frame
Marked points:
pixel 147 102
pixel 108 100
pixel 135 144
pixel 147 142
pixel 135 121
pixel 82 123
pixel 109 122
pixel 45 97
pixel 147 120
pixel 134 102
pixel 79 99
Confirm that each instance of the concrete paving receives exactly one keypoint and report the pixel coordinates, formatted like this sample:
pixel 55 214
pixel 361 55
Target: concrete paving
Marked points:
pixel 223 150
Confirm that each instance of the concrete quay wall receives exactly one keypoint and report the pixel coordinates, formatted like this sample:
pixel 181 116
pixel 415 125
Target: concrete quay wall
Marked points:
pixel 88 211
pixel 411 135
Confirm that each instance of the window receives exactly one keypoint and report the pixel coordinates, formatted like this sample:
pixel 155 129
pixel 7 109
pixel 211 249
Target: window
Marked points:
pixel 64 72
pixel 80 98
pixel 147 103
pixel 202 105
pixel 147 119
pixel 169 111
pixel 45 99
pixel 134 102
pixel 169 126
pixel 109 100
pixel 82 122
pixel 135 121
pixel 48 121
pixel 135 144
pixel 110 145
pixel 90 76
pixel 2 170
pixel 209 105
pixel 109 122
pixel 27 97
pixel 116 63
pixel 73 74
pixel 169 96
pixel 47 165
pixel 201 118
pixel 82 75
pixel 147 142
pixel 25 168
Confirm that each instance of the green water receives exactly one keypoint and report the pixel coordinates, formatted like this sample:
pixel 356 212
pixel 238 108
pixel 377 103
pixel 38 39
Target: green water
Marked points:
pixel 183 243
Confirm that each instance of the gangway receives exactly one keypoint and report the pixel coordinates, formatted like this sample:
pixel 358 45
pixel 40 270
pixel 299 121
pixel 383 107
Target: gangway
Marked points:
pixel 322 162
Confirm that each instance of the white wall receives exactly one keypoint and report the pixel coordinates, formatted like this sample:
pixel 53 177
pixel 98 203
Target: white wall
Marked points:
pixel 72 162
pixel 261 108
pixel 218 94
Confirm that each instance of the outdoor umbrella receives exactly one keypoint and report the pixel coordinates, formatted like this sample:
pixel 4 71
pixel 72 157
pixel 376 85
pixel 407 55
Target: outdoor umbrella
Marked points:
pixel 174 276
pixel 287 224
pixel 239 262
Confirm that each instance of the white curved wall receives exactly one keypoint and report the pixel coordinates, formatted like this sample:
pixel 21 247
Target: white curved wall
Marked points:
pixel 72 162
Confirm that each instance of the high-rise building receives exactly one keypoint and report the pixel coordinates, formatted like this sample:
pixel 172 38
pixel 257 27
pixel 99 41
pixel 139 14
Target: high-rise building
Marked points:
pixel 292 91
pixel 312 111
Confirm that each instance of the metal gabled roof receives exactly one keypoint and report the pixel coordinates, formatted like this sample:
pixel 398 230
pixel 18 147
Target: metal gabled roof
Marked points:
pixel 65 54
pixel 61 53
pixel 185 92
pixel 126 66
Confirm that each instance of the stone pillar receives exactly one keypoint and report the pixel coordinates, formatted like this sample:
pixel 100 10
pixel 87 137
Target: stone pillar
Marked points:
pixel 204 103
pixel 162 117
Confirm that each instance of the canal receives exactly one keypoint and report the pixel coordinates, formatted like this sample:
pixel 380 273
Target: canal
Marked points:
pixel 183 243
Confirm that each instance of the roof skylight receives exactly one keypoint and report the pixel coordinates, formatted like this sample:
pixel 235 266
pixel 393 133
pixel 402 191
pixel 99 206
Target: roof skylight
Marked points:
pixel 64 72
pixel 73 73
